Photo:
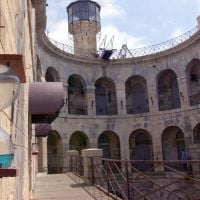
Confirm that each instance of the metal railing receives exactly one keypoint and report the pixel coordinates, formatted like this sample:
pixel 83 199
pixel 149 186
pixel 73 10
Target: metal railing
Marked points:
pixel 148 180
pixel 135 180
pixel 76 165
pixel 64 47
pixel 138 52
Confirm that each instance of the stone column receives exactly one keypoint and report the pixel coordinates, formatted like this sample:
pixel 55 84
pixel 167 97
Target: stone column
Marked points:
pixel 71 153
pixel 40 155
pixel 183 91
pixel 121 99
pixel 64 109
pixel 124 147
pixel 157 150
pixel 91 105
pixel 44 154
pixel 88 163
pixel 152 96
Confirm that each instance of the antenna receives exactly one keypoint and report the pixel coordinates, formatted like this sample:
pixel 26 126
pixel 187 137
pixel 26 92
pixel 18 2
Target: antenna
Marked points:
pixel 103 43
pixel 110 43
pixel 106 50
pixel 125 52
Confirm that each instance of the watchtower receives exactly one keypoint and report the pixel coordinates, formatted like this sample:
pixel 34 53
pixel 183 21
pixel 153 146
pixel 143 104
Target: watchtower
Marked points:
pixel 84 24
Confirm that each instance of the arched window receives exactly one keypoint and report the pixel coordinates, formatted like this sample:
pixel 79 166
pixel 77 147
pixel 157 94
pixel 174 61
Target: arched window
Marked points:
pixel 77 102
pixel 168 91
pixel 109 142
pixel 52 75
pixel 79 141
pixel 136 95
pixel 196 134
pixel 193 73
pixel 105 95
pixel 54 153
pixel 38 70
pixel 173 142
pixel 140 145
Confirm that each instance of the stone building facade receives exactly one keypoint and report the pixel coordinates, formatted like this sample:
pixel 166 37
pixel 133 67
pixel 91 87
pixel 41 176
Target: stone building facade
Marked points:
pixel 142 108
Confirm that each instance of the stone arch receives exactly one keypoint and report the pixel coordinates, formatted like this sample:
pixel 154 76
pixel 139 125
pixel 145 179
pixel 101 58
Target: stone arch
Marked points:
pixel 141 148
pixel 168 90
pixel 173 141
pixel 110 143
pixel 193 81
pixel 136 95
pixel 77 99
pixel 52 75
pixel 79 141
pixel 105 96
pixel 196 134
pixel 54 153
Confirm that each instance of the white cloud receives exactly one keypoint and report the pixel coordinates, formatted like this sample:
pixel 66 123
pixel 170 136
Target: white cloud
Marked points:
pixel 111 9
pixel 121 37
pixel 176 33
pixel 198 5
pixel 59 31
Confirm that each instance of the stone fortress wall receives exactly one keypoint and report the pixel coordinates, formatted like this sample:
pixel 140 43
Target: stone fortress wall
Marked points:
pixel 165 114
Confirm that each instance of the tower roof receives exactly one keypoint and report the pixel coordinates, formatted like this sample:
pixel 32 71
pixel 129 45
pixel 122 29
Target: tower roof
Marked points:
pixel 89 1
pixel 83 10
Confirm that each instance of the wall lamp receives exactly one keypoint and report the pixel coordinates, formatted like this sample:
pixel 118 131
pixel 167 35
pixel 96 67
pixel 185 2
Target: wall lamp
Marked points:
pixel 11 75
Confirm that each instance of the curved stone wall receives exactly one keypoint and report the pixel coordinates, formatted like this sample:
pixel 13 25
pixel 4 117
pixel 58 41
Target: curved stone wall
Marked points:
pixel 184 116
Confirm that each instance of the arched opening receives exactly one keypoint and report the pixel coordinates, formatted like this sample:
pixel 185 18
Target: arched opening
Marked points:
pixel 140 145
pixel 54 153
pixel 105 95
pixel 193 73
pixel 79 141
pixel 136 95
pixel 52 75
pixel 168 91
pixel 196 134
pixel 173 142
pixel 38 71
pixel 77 102
pixel 110 143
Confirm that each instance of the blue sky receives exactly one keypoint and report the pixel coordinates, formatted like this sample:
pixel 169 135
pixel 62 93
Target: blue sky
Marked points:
pixel 136 23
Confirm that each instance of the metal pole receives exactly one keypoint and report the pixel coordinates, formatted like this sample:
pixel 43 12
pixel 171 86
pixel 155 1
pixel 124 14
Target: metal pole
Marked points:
pixel 92 166
pixel 107 174
pixel 127 180
pixel 71 163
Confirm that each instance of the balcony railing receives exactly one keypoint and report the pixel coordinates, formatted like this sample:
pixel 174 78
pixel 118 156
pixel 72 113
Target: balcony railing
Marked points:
pixel 76 165
pixel 138 52
pixel 121 179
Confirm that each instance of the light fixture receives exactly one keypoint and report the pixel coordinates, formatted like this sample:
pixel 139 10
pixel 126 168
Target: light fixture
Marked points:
pixel 9 86
pixel 11 75
pixel 6 149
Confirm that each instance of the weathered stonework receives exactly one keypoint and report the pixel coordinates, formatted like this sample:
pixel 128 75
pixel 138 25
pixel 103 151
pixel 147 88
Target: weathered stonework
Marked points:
pixel 122 124
pixel 17 37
